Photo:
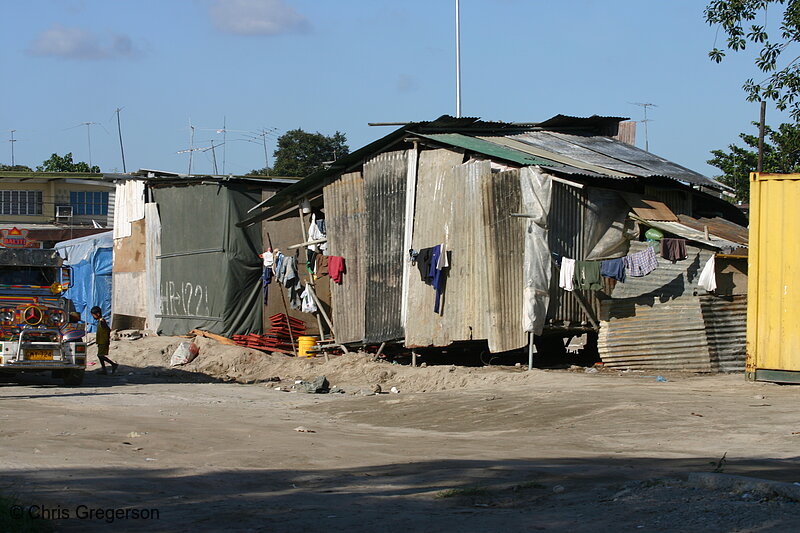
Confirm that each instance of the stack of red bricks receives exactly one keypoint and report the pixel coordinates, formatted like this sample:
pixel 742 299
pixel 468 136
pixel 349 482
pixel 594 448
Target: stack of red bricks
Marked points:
pixel 277 338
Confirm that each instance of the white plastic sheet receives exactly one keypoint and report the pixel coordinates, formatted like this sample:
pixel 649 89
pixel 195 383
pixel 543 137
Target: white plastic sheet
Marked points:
pixel 536 188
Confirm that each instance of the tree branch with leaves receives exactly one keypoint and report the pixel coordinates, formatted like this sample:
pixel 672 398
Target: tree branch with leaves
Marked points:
pixel 744 23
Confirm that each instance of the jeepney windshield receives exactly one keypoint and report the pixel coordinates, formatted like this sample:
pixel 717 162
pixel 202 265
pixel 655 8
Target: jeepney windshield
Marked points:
pixel 27 275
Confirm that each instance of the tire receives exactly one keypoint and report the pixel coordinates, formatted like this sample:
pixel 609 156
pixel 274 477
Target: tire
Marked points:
pixel 73 378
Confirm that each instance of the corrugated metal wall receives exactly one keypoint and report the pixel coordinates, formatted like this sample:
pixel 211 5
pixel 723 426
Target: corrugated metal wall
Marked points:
pixel 504 256
pixel 726 330
pixel 346 222
pixel 655 321
pixel 566 237
pixel 385 199
pixel 435 208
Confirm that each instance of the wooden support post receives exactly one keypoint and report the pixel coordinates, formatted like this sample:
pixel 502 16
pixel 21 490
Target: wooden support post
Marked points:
pixel 414 358
pixel 380 350
pixel 325 316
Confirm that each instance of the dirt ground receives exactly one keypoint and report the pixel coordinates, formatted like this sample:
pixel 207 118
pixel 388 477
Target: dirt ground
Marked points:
pixel 225 443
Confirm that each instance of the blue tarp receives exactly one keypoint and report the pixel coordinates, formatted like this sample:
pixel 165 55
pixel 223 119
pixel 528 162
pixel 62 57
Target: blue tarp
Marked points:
pixel 91 259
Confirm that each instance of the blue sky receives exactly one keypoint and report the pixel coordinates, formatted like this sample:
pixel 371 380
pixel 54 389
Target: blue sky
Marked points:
pixel 324 65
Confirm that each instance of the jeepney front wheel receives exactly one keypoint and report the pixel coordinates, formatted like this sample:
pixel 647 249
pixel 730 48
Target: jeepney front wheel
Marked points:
pixel 73 378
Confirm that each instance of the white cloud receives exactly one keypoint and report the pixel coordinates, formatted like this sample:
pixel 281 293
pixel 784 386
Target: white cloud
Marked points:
pixel 77 43
pixel 257 17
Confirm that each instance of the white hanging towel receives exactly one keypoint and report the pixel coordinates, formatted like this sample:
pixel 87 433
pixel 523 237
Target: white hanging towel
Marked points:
pixel 567 273
pixel 708 277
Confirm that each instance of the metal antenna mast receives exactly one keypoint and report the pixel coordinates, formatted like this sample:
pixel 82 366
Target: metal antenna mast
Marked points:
pixel 224 142
pixel 12 141
pixel 89 138
pixel 121 149
pixel 645 121
pixel 458 61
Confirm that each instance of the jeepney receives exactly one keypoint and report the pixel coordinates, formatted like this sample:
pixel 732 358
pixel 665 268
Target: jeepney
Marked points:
pixel 39 330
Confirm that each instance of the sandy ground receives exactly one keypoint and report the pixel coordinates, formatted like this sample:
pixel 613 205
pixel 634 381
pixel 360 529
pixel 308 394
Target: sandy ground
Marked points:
pixel 457 449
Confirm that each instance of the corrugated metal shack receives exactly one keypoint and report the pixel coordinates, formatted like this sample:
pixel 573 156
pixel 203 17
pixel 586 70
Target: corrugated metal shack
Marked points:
pixel 504 199
pixel 180 261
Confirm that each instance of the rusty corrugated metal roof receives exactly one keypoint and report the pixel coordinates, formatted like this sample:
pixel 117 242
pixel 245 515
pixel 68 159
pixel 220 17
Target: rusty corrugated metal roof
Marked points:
pixel 718 226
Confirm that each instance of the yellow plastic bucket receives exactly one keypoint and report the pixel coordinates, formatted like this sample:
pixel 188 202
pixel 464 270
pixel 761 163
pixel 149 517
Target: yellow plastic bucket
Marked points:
pixel 304 344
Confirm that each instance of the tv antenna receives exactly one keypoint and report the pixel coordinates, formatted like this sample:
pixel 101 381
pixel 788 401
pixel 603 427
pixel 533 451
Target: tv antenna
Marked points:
pixel 645 121
pixel 89 138
pixel 12 140
pixel 263 133
pixel 121 149
pixel 213 147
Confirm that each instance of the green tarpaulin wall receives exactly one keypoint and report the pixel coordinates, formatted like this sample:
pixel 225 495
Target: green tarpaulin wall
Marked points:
pixel 210 269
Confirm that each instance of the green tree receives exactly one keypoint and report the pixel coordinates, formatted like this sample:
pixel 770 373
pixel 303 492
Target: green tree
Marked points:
pixel 781 155
pixel 57 163
pixel 739 20
pixel 18 168
pixel 300 153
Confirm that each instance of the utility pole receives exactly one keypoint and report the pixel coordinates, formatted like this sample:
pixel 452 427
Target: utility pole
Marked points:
pixel 121 149
pixel 12 141
pixel 645 121
pixel 458 61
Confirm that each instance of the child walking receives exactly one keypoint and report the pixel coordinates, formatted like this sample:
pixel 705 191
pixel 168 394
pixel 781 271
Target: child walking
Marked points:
pixel 103 340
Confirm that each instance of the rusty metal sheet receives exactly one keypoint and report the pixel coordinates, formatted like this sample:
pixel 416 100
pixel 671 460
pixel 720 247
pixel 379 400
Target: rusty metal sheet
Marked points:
pixel 726 330
pixel 649 209
pixel 719 227
pixel 346 221
pixel 433 218
pixel 504 252
pixel 385 200
pixel 655 322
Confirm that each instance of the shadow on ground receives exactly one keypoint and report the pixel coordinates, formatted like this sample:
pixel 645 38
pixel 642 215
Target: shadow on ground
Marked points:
pixel 583 495
pixel 125 375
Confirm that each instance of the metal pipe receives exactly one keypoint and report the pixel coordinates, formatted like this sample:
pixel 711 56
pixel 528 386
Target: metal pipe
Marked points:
pixel 458 61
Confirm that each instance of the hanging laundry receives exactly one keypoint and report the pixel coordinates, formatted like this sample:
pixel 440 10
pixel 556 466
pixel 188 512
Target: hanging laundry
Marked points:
pixel 314 233
pixel 308 305
pixel 567 274
pixel 642 263
pixel 673 249
pixel 266 279
pixel 311 262
pixel 424 258
pixel 443 261
pixel 336 268
pixel 267 258
pixel 708 276
pixel 321 267
pixel 587 275
pixel 278 267
pixel 437 275
pixel 320 223
pixel 288 277
pixel 289 271
pixel 613 268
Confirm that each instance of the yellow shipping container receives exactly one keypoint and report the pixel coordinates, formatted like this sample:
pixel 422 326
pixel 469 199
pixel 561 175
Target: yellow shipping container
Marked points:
pixel 773 313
